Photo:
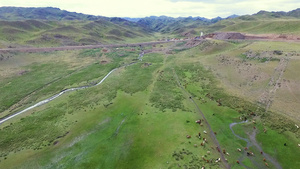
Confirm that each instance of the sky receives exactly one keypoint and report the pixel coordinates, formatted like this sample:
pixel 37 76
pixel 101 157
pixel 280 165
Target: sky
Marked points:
pixel 174 8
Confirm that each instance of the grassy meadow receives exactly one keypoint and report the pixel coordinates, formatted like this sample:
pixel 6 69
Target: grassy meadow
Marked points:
pixel 139 117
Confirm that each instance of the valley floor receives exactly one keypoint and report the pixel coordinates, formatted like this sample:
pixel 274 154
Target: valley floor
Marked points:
pixel 143 115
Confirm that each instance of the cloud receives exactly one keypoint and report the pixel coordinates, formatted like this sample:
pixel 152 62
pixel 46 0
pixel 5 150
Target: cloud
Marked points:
pixel 174 8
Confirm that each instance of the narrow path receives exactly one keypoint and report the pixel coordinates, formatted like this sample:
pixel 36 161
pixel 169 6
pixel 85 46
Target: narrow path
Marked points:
pixel 61 48
pixel 212 134
pixel 266 98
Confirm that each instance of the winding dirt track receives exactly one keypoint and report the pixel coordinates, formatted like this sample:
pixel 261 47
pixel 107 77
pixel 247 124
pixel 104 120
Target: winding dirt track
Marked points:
pixel 212 134
pixel 49 49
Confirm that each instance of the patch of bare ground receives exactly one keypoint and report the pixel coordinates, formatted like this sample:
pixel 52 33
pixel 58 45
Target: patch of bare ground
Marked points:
pixel 192 43
pixel 225 35
pixel 276 37
pixel 145 65
pixel 242 36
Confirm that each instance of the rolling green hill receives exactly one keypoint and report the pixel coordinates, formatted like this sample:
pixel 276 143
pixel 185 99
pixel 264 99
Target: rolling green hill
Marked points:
pixel 60 33
pixel 48 13
pixel 55 27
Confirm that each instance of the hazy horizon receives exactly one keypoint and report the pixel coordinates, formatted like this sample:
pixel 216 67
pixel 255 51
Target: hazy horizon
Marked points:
pixel 172 8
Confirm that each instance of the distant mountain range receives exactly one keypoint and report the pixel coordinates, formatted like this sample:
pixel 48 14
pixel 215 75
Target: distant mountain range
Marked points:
pixel 48 13
pixel 54 27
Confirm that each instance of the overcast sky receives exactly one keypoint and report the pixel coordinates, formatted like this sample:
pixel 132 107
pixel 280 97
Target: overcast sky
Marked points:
pixel 174 8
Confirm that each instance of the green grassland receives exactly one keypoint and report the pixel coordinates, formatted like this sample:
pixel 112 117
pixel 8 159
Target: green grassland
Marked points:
pixel 140 116
pixel 286 26
pixel 43 33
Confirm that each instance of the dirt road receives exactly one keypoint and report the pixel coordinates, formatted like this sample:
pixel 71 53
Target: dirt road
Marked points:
pixel 212 134
pixel 49 49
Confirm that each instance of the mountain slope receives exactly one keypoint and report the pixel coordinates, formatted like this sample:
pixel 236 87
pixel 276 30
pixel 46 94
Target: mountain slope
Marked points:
pixel 48 13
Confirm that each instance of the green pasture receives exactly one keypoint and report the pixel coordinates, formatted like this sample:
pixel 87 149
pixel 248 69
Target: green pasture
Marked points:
pixel 138 117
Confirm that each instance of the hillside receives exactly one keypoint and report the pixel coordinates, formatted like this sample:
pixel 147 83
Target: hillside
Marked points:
pixel 61 33
pixel 55 27
pixel 49 13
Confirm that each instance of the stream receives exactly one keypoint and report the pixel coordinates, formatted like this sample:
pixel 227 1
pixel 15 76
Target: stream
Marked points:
pixel 59 94
pixel 253 142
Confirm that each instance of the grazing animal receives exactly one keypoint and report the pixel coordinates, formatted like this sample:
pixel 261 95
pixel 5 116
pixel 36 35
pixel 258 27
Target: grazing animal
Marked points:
pixel 188 136
pixel 195 145
pixel 238 149
pixel 218 149
pixel 208 152
pixel 204 132
pixel 261 152
pixel 215 133
pixel 224 151
pixel 202 167
pixel 267 164
pixel 297 126
pixel 254 127
pixel 246 148
pixel 227 153
pixel 238 161
pixel 298 145
pixel 285 144
pixel 202 144
pixel 264 159
pixel 265 130
pixel 198 121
